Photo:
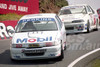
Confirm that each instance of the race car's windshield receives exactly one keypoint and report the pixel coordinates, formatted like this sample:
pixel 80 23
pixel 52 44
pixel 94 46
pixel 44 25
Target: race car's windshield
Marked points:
pixel 37 24
pixel 73 10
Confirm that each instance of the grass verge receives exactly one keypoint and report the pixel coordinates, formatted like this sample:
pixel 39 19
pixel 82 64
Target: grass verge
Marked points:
pixel 96 63
pixel 10 16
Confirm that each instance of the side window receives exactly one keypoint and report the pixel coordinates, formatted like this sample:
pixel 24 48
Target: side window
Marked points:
pixel 89 10
pixel 84 11
pixel 59 22
pixel 92 10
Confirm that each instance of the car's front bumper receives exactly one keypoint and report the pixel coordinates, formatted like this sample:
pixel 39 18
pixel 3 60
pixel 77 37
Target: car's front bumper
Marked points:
pixel 76 27
pixel 51 52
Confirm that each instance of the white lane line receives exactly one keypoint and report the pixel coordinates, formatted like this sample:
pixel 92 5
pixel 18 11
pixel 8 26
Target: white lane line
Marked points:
pixel 82 57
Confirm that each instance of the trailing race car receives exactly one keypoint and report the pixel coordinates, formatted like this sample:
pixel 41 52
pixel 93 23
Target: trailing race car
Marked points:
pixel 98 11
pixel 38 36
pixel 79 18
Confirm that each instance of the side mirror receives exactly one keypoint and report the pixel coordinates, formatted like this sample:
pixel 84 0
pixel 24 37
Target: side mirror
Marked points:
pixel 11 31
pixel 90 13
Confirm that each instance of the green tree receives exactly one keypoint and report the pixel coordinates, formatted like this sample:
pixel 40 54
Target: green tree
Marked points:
pixel 51 6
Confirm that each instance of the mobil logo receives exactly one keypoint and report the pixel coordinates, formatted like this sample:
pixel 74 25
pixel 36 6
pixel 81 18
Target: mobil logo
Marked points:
pixel 32 40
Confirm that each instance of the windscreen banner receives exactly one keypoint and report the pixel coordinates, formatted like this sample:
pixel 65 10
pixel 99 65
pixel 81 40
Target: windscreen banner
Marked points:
pixel 5 26
pixel 19 6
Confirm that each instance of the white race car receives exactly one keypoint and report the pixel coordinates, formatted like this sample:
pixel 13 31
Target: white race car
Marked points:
pixel 38 36
pixel 79 18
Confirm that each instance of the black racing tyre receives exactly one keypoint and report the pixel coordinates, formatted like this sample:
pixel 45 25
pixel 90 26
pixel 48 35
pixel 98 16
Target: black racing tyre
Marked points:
pixel 13 60
pixel 96 27
pixel 60 58
pixel 65 47
pixel 88 27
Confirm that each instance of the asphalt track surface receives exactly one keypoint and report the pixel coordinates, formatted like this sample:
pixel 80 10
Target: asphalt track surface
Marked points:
pixel 77 45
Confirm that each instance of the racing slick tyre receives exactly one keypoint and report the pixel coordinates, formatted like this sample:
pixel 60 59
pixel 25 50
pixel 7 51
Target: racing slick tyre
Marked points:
pixel 60 58
pixel 13 60
pixel 96 27
pixel 88 27
pixel 65 47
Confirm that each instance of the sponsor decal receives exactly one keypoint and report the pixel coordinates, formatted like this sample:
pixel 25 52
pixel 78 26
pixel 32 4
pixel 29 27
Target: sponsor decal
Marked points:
pixel 18 57
pixel 85 24
pixel 19 6
pixel 37 19
pixel 86 28
pixel 80 27
pixel 32 40
pixel 5 26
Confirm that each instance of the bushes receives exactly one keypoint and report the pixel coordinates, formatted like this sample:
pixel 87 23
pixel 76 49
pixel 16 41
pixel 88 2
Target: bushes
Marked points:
pixel 61 3
pixel 51 6
pixel 10 16
pixel 46 6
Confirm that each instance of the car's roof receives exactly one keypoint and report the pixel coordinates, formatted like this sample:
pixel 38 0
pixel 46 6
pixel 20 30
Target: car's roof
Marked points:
pixel 79 5
pixel 74 5
pixel 42 15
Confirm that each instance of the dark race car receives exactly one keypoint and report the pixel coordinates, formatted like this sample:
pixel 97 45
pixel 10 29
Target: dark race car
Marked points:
pixel 98 11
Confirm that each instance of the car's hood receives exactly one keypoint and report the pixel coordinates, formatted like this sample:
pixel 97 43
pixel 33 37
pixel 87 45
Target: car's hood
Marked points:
pixel 34 37
pixel 70 17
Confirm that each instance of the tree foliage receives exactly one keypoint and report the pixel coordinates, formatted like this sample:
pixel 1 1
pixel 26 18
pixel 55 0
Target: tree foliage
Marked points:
pixel 51 6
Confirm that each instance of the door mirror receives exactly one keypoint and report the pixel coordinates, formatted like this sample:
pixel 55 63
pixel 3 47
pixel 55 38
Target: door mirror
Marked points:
pixel 90 13
pixel 11 31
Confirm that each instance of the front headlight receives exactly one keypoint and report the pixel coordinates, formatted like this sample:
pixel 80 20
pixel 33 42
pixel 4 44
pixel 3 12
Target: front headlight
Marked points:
pixel 77 21
pixel 16 45
pixel 54 43
pixel 13 45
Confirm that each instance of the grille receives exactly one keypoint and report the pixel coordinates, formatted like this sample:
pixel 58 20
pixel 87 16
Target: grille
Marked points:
pixel 34 54
pixel 69 28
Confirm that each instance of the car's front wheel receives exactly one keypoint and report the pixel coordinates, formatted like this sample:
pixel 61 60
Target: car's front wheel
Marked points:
pixel 97 26
pixel 62 54
pixel 13 60
pixel 88 27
